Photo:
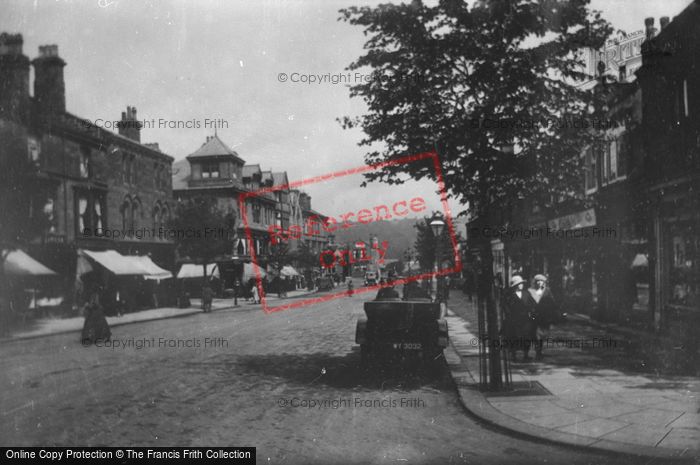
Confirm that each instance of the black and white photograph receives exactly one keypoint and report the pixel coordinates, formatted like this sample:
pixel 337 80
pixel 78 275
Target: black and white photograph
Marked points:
pixel 350 231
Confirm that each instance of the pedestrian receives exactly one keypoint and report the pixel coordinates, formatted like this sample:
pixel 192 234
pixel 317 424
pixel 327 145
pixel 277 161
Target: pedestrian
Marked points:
pixel 256 294
pixel 207 297
pixel 519 328
pixel 546 311
pixel 95 329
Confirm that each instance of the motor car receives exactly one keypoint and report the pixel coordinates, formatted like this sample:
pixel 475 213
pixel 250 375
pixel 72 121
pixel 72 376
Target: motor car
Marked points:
pixel 404 329
pixel 371 278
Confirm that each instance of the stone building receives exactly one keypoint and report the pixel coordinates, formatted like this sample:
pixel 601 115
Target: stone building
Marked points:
pixel 85 187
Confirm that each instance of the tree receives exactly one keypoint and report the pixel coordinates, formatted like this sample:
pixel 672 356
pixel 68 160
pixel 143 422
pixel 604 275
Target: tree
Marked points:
pixel 202 231
pixel 426 244
pixel 486 86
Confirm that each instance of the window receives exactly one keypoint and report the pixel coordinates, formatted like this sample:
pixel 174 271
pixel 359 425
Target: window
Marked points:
pixel 49 212
pixel 33 150
pixel 85 167
pixel 210 170
pixel 156 218
pixel 256 213
pixel 125 211
pixel 156 176
pixel 135 212
pixel 591 174
pixel 129 169
pixel 90 211
pixel 613 159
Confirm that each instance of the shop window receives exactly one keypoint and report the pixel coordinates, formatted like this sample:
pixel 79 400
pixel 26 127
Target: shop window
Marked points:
pixel 684 276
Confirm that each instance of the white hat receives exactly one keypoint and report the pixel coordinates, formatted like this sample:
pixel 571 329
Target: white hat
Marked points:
pixel 515 280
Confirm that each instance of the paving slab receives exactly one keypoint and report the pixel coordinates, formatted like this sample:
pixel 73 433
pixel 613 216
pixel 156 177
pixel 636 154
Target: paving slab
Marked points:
pixel 591 405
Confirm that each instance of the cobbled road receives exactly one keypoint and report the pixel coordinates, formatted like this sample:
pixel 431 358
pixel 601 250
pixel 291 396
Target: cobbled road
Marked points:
pixel 288 383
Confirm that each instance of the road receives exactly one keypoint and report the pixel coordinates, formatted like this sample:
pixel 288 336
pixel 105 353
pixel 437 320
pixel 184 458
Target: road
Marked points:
pixel 249 383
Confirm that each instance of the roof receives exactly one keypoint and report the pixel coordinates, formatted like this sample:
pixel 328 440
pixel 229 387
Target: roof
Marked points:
pixel 215 147
pixel 18 263
pixel 280 179
pixel 250 170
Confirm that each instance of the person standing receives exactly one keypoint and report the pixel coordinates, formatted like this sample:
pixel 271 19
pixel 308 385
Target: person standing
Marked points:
pixel 256 294
pixel 207 297
pixel 519 330
pixel 95 329
pixel 546 311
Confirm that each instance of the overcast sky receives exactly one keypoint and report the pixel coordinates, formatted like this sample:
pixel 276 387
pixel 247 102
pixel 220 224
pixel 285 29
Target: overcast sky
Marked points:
pixel 190 61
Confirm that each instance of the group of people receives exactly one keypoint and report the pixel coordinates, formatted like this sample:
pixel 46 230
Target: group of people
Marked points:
pixel 528 315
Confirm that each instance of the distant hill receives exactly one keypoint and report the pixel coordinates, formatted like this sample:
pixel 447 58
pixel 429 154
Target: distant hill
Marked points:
pixel 400 234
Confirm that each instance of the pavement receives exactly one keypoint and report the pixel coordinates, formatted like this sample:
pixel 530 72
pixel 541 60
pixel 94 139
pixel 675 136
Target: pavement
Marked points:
pixel 47 326
pixel 592 389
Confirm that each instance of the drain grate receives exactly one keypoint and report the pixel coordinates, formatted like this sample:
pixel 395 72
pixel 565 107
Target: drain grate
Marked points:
pixel 520 389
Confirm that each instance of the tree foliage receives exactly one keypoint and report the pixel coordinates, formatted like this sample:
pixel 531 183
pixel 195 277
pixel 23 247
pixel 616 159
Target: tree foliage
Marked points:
pixel 466 80
pixel 426 245
pixel 202 230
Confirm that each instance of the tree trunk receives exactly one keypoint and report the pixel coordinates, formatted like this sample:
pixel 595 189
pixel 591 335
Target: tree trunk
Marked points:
pixel 495 378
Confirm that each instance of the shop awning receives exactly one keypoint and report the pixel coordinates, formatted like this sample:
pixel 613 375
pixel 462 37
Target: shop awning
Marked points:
pixel 249 272
pixel 18 263
pixel 125 265
pixel 289 271
pixel 192 270
pixel 153 271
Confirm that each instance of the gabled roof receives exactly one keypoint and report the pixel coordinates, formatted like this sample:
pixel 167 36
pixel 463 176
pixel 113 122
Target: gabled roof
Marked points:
pixel 250 170
pixel 215 147
pixel 280 179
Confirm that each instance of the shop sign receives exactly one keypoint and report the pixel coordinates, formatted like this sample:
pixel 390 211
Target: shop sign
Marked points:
pixel 583 219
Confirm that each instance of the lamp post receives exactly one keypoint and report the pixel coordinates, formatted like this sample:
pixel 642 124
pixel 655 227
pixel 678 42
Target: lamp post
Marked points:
pixel 437 225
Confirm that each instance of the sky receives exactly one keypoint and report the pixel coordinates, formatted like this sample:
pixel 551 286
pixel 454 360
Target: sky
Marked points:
pixel 223 60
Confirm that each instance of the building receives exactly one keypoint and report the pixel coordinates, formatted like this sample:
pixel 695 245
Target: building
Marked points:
pixel 629 242
pixel 77 185
pixel 215 170
pixel 669 79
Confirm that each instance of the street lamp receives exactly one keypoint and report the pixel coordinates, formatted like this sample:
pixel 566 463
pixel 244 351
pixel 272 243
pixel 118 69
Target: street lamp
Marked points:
pixel 437 225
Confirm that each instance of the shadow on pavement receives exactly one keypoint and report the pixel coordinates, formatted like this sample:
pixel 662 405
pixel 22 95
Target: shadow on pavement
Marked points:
pixel 341 372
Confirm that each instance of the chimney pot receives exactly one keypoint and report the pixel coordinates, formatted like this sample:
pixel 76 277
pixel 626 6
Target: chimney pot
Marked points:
pixel 664 22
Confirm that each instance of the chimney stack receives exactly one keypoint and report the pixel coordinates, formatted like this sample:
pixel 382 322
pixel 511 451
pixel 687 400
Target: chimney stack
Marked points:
pixel 14 78
pixel 664 20
pixel 49 86
pixel 130 126
pixel 649 27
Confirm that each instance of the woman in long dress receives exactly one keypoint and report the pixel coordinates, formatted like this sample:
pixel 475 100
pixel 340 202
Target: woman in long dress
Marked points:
pixel 95 329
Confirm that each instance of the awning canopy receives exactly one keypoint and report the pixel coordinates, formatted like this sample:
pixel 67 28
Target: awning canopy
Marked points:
pixel 250 273
pixel 18 263
pixel 192 270
pixel 289 271
pixel 154 271
pixel 125 265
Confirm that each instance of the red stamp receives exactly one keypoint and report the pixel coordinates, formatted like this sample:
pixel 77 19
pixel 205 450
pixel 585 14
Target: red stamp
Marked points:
pixel 378 212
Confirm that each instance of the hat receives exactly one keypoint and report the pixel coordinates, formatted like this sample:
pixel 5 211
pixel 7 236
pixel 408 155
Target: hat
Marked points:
pixel 515 280
pixel 539 277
